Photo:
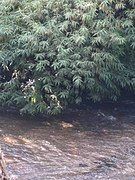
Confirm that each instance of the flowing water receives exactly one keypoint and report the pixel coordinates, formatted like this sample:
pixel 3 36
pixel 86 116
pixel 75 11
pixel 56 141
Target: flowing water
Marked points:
pixel 80 145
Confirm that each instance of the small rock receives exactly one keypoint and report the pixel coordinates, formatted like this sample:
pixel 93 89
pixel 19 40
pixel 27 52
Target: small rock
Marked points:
pixel 66 125
pixel 83 165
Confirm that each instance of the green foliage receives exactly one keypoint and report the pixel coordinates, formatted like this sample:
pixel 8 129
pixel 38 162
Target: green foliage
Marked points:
pixel 56 53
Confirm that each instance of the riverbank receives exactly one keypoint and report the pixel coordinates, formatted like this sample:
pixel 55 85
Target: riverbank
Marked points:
pixel 93 107
pixel 79 145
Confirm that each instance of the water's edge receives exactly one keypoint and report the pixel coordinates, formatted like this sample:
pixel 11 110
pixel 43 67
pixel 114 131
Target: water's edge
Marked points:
pixel 96 143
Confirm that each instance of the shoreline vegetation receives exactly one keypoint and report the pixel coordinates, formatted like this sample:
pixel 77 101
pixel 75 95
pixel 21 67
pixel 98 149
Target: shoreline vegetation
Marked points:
pixel 57 54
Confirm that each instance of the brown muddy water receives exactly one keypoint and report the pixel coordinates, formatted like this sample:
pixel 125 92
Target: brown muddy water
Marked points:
pixel 80 145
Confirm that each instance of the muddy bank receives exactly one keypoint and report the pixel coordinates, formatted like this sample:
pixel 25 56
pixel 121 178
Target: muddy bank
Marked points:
pixel 84 144
pixel 121 105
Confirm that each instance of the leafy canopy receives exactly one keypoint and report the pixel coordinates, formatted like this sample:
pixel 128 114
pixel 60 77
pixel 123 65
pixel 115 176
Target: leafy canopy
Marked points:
pixel 60 52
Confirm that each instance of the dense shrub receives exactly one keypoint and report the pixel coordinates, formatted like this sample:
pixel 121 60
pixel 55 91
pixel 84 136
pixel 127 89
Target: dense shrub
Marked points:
pixel 60 52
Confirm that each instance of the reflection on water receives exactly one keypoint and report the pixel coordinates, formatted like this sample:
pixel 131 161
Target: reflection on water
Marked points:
pixel 80 145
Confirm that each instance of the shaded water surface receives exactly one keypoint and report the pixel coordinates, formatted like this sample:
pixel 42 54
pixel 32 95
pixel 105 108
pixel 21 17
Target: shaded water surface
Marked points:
pixel 86 144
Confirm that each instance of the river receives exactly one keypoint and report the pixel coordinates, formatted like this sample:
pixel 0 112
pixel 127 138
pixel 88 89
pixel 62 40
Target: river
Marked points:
pixel 88 144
